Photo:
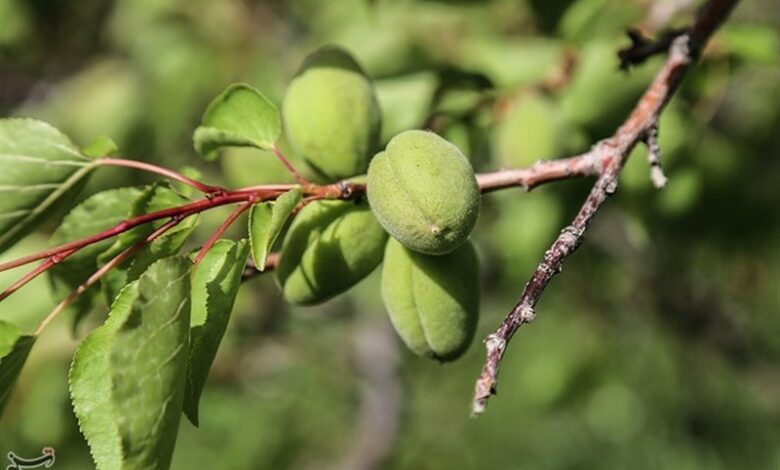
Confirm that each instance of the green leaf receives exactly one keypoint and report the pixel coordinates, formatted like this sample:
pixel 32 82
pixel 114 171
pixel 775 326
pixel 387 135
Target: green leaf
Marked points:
pixel 266 221
pixel 14 349
pixel 41 171
pixel 215 284
pixel 99 212
pixel 154 198
pixel 127 377
pixel 101 147
pixel 91 383
pixel 241 116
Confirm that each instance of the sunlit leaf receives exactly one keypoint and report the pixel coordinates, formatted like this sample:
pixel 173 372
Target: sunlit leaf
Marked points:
pixel 100 147
pixel 215 284
pixel 241 116
pixel 41 171
pixel 266 221
pixel 127 377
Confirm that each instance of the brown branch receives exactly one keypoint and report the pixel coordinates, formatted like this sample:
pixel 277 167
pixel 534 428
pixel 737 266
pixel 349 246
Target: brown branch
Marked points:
pixel 611 155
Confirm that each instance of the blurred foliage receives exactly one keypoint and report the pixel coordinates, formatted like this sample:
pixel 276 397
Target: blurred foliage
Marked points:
pixel 658 346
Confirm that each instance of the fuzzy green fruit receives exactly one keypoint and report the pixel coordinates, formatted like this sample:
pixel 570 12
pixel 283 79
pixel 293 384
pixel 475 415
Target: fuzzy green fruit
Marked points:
pixel 423 191
pixel 331 246
pixel 433 301
pixel 331 115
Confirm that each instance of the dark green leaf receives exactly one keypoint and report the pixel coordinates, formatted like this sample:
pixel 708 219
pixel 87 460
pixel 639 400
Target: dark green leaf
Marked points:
pixel 127 378
pixel 215 284
pixel 154 198
pixel 241 116
pixel 97 213
pixel 14 349
pixel 266 221
pixel 41 170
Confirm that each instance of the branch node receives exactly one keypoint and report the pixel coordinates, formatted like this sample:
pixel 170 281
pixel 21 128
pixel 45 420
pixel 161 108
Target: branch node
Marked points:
pixel 657 175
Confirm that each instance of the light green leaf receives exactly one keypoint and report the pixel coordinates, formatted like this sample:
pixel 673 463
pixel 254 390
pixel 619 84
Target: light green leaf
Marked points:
pixel 91 384
pixel 127 378
pixel 101 147
pixel 266 221
pixel 14 349
pixel 241 116
pixel 215 284
pixel 41 171
pixel 95 214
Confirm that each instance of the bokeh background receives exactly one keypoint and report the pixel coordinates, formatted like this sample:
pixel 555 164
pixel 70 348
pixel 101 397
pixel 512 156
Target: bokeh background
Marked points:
pixel 657 347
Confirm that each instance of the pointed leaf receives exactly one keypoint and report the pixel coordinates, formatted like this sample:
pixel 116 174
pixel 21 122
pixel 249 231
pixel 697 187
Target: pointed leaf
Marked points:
pixel 127 378
pixel 215 284
pixel 101 147
pixel 41 171
pixel 14 349
pixel 90 385
pixel 241 116
pixel 95 214
pixel 266 221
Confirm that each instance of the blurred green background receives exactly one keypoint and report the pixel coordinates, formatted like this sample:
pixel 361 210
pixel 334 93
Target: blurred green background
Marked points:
pixel 658 346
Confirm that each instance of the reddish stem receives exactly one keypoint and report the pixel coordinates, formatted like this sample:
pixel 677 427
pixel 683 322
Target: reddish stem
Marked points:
pixel 282 158
pixel 190 208
pixel 222 228
pixel 205 188
pixel 114 262
pixel 51 261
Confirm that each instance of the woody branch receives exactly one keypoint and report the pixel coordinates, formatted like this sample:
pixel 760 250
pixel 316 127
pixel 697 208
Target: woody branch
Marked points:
pixel 609 156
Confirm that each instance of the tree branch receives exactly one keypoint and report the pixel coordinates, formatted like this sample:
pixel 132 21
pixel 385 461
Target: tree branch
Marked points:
pixel 611 154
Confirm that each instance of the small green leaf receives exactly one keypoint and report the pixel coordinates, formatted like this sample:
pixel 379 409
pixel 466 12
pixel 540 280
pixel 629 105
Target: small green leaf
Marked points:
pixel 266 221
pixel 41 171
pixel 215 284
pixel 127 377
pixel 95 214
pixel 14 349
pixel 241 116
pixel 101 147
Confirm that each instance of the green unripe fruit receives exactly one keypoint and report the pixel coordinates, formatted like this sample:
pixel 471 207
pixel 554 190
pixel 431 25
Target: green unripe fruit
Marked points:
pixel 423 191
pixel 331 246
pixel 331 115
pixel 433 301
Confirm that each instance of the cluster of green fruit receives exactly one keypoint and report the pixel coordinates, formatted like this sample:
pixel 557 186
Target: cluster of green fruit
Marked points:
pixel 421 190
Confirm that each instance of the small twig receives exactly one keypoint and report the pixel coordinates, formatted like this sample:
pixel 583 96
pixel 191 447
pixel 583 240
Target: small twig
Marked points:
pixel 205 188
pixel 282 158
pixel 111 264
pixel 51 261
pixel 542 172
pixel 642 47
pixel 222 228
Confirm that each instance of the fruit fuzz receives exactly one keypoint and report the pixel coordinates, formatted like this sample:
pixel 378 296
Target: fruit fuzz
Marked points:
pixel 331 115
pixel 433 301
pixel 423 191
pixel 331 246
